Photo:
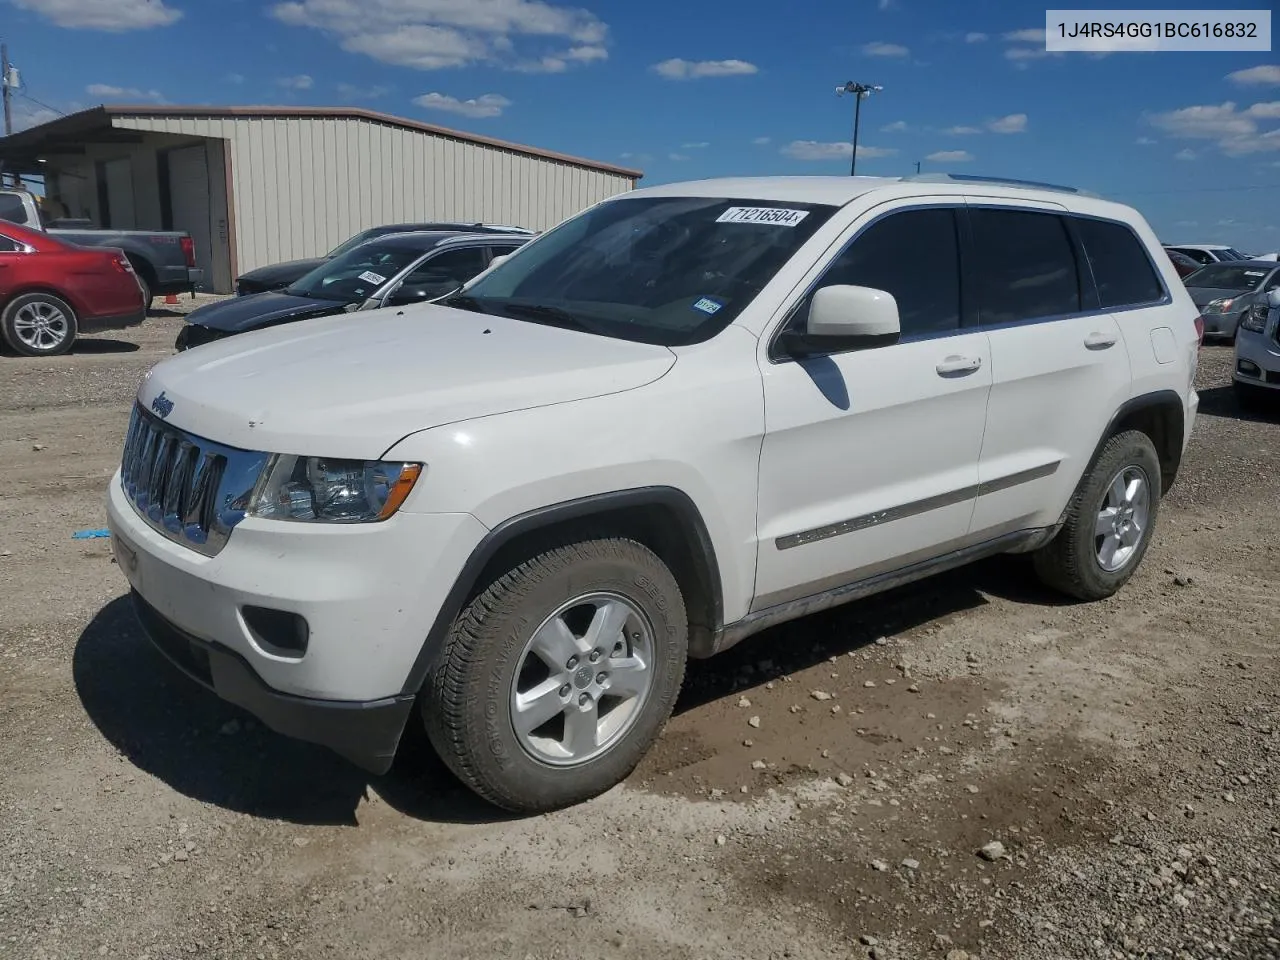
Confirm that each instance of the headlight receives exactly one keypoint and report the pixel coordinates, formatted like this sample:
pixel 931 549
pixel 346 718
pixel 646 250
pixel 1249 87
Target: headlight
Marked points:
pixel 334 491
pixel 1255 318
pixel 1219 306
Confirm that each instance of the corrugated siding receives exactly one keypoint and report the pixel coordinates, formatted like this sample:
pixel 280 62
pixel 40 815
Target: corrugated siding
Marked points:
pixel 303 185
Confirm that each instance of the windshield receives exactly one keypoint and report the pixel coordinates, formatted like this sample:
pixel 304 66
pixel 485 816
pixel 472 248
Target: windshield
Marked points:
pixel 356 275
pixel 663 270
pixel 1228 276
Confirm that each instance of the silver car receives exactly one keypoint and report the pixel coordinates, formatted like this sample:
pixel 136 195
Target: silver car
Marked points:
pixel 1226 292
pixel 1257 372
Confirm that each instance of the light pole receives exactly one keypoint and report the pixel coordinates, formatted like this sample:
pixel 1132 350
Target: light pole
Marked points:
pixel 859 91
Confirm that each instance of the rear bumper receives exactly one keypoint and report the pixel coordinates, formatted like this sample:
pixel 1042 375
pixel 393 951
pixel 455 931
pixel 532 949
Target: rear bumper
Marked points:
pixel 364 732
pixel 113 322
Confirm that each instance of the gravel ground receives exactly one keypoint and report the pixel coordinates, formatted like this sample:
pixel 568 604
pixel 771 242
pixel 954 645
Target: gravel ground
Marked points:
pixel 965 768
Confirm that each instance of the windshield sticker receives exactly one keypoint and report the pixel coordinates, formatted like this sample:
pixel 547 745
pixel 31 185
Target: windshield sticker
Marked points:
pixel 707 305
pixel 777 216
pixel 372 277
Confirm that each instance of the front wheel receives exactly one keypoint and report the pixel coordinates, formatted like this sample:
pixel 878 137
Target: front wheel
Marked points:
pixel 38 325
pixel 1109 522
pixel 557 678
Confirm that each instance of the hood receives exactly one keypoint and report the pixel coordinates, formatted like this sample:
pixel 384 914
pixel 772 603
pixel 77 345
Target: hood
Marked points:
pixel 1201 296
pixel 238 314
pixel 281 274
pixel 353 386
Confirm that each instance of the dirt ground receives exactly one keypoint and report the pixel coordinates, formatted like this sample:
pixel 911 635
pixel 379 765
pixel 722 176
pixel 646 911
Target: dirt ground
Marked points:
pixel 1125 756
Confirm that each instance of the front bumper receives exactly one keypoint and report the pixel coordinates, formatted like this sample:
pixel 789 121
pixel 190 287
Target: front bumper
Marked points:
pixel 364 732
pixel 1258 357
pixel 367 594
pixel 1221 324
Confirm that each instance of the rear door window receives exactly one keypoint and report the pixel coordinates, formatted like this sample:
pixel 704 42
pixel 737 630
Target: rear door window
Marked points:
pixel 1026 266
pixel 12 208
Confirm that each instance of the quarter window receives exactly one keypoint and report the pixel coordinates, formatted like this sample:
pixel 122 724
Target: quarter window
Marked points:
pixel 1121 268
pixel 1026 267
pixel 9 246
pixel 915 256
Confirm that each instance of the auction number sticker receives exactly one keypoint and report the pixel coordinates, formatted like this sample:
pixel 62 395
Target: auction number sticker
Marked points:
pixel 778 216
pixel 370 277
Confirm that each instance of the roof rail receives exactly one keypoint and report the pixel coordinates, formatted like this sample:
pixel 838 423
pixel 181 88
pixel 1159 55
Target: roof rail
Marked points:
pixel 998 181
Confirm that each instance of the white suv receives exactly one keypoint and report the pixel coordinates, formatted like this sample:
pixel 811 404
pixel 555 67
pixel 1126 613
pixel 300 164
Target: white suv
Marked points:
pixel 681 417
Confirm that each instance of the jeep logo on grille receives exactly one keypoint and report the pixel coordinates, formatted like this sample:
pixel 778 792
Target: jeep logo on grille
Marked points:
pixel 162 405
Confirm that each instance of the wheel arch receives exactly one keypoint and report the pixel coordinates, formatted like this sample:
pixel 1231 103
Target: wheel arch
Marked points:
pixel 47 290
pixel 1162 417
pixel 664 519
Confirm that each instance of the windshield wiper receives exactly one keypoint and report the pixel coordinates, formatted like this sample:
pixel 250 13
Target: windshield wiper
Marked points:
pixel 541 313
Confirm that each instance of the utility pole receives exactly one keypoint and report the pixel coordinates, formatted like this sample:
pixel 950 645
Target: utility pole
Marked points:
pixel 860 91
pixel 917 167
pixel 8 93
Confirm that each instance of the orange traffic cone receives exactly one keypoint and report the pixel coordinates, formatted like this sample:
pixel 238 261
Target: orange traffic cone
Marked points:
pixel 170 298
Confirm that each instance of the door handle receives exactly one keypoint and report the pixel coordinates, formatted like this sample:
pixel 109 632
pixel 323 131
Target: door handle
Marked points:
pixel 1099 341
pixel 955 366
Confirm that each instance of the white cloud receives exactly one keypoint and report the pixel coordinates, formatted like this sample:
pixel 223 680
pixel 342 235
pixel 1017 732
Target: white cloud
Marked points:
pixel 1013 123
pixel 898 126
pixel 235 78
pixel 677 69
pixel 962 131
pixel 678 157
pixel 1027 53
pixel 814 150
pixel 1265 111
pixel 488 105
pixel 878 49
pixel 637 157
pixel 1144 141
pixel 975 37
pixel 105 91
pixel 1032 35
pixel 112 16
pixel 700 145
pixel 1208 122
pixel 349 91
pixel 1185 155
pixel 1236 132
pixel 950 156
pixel 533 36
pixel 884 4
pixel 762 141
pixel 299 82
pixel 1267 75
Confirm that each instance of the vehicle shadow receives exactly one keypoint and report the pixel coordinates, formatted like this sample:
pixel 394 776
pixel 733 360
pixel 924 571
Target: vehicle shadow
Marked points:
pixel 804 643
pixel 1223 402
pixel 207 749
pixel 102 345
pixel 204 748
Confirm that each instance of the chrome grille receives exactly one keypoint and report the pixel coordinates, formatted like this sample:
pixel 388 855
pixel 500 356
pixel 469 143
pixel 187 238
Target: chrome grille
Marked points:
pixel 191 490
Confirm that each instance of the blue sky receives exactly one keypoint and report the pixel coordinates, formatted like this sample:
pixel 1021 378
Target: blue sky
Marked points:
pixel 685 89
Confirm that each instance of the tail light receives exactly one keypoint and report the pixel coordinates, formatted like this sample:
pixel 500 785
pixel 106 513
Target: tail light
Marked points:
pixel 122 264
pixel 1200 328
pixel 189 251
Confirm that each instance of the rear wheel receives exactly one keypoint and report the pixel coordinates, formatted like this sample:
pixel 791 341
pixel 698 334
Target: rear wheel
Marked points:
pixel 558 677
pixel 1109 521
pixel 38 325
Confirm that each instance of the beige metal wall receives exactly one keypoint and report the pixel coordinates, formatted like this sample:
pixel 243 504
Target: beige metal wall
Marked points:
pixel 303 185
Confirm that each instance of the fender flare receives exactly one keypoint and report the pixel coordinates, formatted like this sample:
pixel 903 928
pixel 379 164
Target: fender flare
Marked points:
pixel 583 508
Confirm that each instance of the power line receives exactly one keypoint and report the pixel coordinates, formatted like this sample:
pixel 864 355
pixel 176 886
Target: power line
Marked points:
pixel 41 103
pixel 1252 186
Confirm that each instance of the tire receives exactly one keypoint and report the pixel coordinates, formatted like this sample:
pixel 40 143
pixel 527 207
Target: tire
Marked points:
pixel 1075 562
pixel 146 293
pixel 38 325
pixel 489 659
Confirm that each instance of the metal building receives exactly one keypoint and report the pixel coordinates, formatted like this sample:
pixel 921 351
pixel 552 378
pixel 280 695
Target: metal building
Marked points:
pixel 258 185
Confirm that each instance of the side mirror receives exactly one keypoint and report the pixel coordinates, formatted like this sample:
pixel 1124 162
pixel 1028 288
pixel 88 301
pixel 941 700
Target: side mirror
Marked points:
pixel 845 318
pixel 421 292
pixel 1273 298
pixel 497 260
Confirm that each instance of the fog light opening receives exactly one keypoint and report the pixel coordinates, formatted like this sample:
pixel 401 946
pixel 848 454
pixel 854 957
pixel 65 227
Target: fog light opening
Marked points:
pixel 1248 368
pixel 280 633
